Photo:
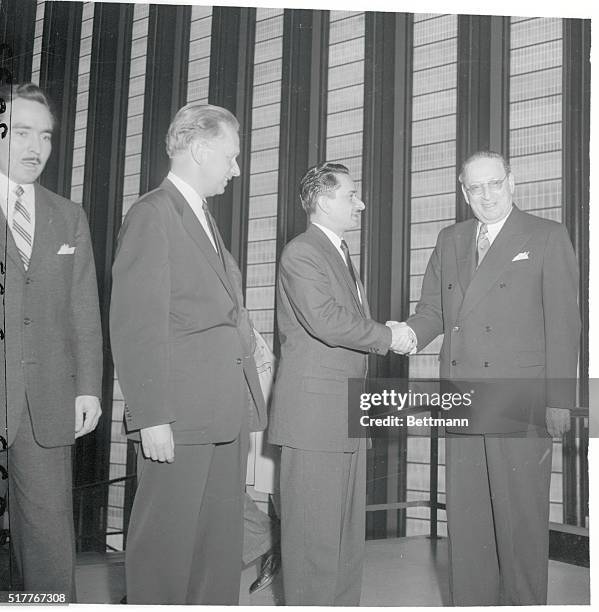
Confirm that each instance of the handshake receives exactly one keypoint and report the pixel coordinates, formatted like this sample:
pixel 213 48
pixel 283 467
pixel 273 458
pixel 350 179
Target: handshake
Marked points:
pixel 403 338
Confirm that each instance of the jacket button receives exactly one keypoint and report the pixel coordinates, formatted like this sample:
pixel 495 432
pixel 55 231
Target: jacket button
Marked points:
pixel 487 364
pixel 502 285
pixel 26 320
pixel 454 362
pixel 488 328
pixel 28 281
pixel 239 360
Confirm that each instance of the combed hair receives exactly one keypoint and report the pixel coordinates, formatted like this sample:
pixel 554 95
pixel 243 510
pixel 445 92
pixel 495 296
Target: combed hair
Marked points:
pixel 197 121
pixel 318 180
pixel 484 155
pixel 26 91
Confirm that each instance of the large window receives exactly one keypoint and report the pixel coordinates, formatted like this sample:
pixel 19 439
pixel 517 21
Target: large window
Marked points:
pixel 264 175
pixel 345 103
pixel 433 206
pixel 198 69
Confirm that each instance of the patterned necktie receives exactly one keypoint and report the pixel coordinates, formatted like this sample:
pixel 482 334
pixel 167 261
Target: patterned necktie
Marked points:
pixel 213 231
pixel 482 244
pixel 22 230
pixel 348 261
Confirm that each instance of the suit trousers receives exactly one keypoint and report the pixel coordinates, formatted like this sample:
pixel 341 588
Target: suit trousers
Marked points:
pixel 185 536
pixel 40 506
pixel 323 508
pixel 498 518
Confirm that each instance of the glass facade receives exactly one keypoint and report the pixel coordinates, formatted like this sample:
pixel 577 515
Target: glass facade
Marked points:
pixel 345 103
pixel 433 207
pixel 264 171
pixel 198 75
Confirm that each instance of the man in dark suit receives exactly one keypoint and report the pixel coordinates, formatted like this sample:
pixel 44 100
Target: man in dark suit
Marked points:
pixel 502 288
pixel 181 340
pixel 52 354
pixel 326 334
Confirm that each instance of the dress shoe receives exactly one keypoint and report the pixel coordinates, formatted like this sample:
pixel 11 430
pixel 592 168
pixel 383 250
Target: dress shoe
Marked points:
pixel 271 564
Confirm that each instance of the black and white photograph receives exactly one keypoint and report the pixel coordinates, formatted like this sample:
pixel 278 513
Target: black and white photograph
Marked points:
pixel 296 303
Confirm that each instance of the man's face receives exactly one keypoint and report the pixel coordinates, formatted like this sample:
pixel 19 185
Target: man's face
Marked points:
pixel 26 148
pixel 343 206
pixel 219 164
pixel 488 189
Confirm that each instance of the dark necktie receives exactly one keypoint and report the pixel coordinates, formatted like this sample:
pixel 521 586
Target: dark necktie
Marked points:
pixel 348 261
pixel 214 231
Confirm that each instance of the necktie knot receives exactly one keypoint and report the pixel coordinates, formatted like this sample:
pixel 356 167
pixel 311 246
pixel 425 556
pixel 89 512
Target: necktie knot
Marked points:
pixel 345 248
pixel 19 191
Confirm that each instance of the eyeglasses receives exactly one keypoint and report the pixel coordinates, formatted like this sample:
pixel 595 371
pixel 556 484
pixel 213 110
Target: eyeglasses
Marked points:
pixel 477 189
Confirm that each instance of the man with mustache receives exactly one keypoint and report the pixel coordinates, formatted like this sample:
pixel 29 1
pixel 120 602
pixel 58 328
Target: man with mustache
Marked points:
pixel 51 354
pixel 182 345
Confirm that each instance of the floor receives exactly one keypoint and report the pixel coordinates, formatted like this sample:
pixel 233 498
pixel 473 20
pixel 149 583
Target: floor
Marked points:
pixel 397 572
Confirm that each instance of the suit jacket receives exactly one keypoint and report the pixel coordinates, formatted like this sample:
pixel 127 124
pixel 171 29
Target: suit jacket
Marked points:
pixel 181 338
pixel 325 336
pixel 52 333
pixel 513 317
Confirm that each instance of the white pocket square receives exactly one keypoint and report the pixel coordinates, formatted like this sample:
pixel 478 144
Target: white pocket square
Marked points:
pixel 65 249
pixel 521 256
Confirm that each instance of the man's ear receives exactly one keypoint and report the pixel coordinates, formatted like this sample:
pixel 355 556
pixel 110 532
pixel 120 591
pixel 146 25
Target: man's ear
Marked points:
pixel 465 193
pixel 198 152
pixel 323 204
pixel 511 183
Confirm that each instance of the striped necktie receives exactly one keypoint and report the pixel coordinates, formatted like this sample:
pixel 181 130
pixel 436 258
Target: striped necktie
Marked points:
pixel 482 244
pixel 22 229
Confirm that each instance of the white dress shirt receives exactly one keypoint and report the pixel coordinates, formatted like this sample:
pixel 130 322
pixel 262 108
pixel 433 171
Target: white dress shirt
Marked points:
pixel 195 201
pixel 336 240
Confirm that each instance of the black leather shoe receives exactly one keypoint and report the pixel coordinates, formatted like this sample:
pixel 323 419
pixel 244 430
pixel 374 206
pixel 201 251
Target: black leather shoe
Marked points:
pixel 271 564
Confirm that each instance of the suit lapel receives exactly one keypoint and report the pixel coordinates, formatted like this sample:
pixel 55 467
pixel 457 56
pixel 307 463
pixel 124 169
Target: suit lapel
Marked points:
pixel 8 246
pixel 507 244
pixel 465 239
pixel 338 264
pixel 44 238
pixel 194 228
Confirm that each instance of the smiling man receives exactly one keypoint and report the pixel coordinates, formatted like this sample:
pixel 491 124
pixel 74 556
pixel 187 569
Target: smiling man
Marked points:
pixel 502 288
pixel 326 335
pixel 182 347
pixel 51 354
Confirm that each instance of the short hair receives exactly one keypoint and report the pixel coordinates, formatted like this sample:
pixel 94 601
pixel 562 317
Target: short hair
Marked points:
pixel 197 122
pixel 318 180
pixel 484 155
pixel 26 91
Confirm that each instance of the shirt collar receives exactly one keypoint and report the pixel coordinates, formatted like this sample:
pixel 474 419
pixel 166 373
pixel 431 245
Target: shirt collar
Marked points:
pixel 494 228
pixel 8 186
pixel 330 234
pixel 194 199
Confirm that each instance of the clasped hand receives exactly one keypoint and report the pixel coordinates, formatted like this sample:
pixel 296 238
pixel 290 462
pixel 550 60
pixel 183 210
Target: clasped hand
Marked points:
pixel 403 339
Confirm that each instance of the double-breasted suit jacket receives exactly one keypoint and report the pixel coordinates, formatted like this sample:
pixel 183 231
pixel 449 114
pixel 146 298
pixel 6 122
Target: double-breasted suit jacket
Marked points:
pixel 513 317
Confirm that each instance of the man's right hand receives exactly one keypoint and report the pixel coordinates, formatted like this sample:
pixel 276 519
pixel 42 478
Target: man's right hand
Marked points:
pixel 403 338
pixel 158 443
